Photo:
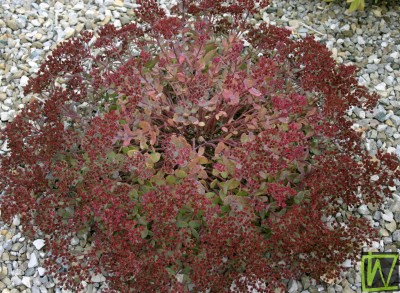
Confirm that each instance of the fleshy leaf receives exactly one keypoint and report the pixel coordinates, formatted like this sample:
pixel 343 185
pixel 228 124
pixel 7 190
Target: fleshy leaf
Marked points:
pixel 255 92
pixel 231 97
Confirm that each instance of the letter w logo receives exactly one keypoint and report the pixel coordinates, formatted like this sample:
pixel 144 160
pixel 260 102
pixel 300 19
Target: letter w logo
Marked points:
pixel 386 264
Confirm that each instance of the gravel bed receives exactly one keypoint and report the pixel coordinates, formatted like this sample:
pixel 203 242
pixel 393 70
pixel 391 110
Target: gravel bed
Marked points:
pixel 370 39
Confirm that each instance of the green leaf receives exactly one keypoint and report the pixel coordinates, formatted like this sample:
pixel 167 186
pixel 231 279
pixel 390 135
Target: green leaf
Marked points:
pixel 244 138
pixel 142 220
pixel 233 183
pixel 210 46
pixel 267 233
pixel 315 151
pixel 224 187
pixel 298 198
pixel 295 177
pixel 155 157
pixel 158 180
pixel 215 172
pixel 208 56
pixel 242 193
pixel 181 224
pixel 210 194
pixel 214 183
pixel 225 209
pixel 144 233
pixel 230 166
pixel 195 233
pixel 284 126
pixel 170 179
pixel 356 4
pixel 217 200
pixel 86 157
pixel 194 223
pixel 243 66
pixel 150 64
pixel 134 211
pixel 133 194
pixel 180 174
pixel 84 170
pixel 171 271
pixel 131 152
pixel 187 216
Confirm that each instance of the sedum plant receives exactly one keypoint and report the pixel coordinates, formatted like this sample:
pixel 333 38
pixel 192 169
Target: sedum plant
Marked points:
pixel 184 160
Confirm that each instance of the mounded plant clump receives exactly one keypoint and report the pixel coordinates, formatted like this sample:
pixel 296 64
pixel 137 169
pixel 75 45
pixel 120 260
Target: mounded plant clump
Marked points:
pixel 186 160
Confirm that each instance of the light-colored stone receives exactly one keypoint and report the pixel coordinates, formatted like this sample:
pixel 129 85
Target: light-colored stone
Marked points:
pixel 347 289
pixel 396 236
pixel 33 261
pixel 69 32
pixel 16 281
pixel 381 86
pixel 23 81
pixel 347 263
pixel 12 23
pixel 4 116
pixel 387 216
pixel 119 3
pixel 27 281
pixel 38 243
pixel 293 287
pixel 79 6
pixel 363 210
pixel 384 233
pixel 391 226
pixel 41 271
pixel 98 278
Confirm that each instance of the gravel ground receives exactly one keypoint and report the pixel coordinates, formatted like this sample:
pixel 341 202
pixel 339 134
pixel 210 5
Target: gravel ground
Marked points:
pixel 29 30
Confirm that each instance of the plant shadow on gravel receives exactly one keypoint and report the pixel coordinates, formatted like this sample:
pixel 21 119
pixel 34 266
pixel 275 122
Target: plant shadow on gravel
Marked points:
pixel 189 162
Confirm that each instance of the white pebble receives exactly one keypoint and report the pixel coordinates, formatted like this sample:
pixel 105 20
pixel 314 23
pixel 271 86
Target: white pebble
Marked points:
pixel 395 55
pixel 78 6
pixel 38 243
pixel 33 261
pixel 387 216
pixel 381 86
pixel 98 278
pixel 41 271
pixel 374 177
pixel 16 281
pixel 75 241
pixel 347 263
pixel 27 281
pixel 44 6
pixel 16 221
pixel 391 150
pixel 23 81
pixel 35 22
pixel 4 116
pixel 69 32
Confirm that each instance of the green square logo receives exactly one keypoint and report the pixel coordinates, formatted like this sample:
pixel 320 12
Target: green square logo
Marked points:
pixel 379 271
